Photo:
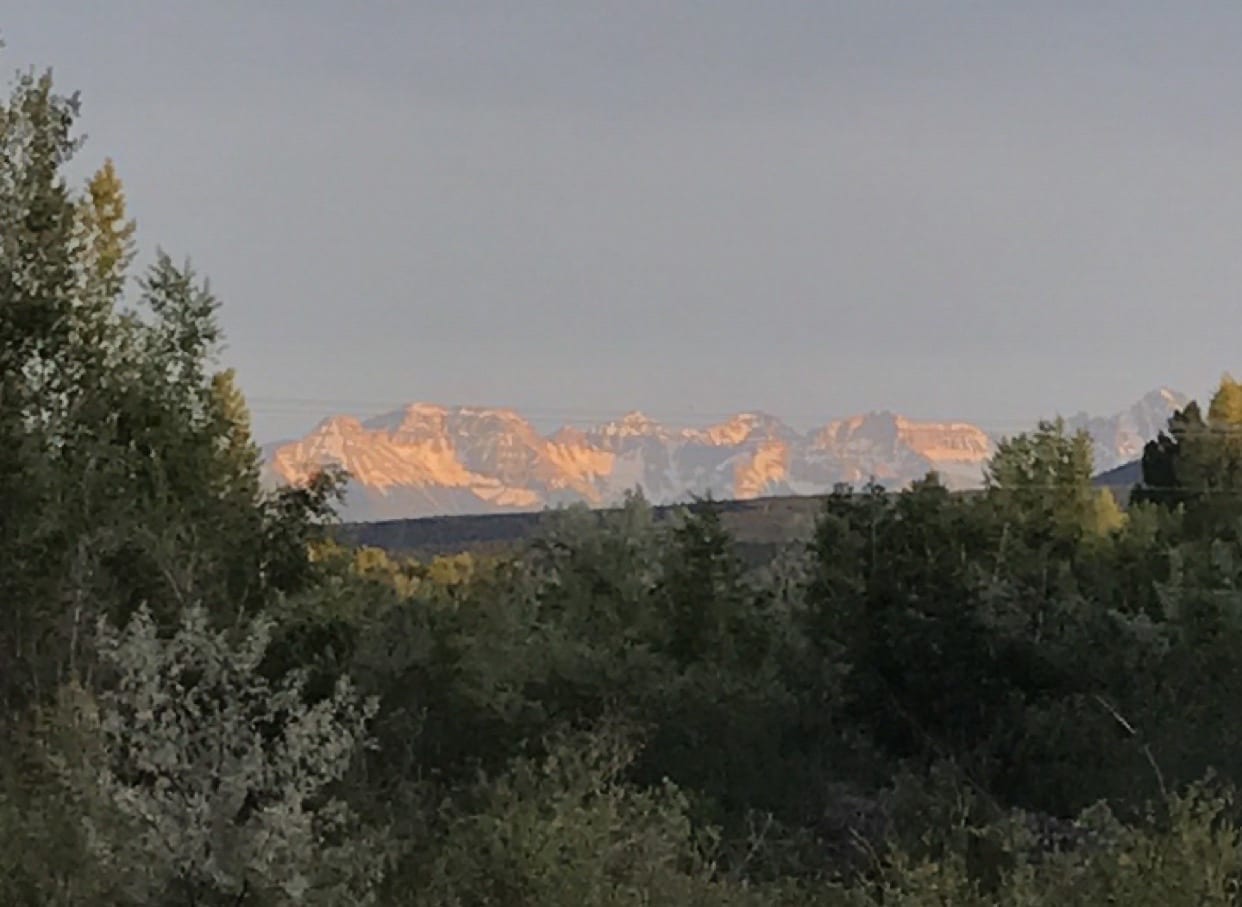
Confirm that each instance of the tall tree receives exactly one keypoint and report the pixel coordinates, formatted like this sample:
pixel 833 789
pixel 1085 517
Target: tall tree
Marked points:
pixel 701 589
pixel 1039 484
pixel 126 468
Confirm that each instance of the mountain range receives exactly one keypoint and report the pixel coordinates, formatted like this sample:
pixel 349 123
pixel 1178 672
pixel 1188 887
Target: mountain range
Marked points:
pixel 431 460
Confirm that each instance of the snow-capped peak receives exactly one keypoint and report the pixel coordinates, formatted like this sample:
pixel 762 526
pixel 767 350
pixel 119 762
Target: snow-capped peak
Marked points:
pixel 633 424
pixel 747 426
pixel 425 459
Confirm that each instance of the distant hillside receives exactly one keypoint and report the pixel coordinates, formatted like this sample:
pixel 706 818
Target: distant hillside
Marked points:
pixel 761 527
pixel 428 460
pixel 1119 438
pixel 1126 475
pixel 1121 479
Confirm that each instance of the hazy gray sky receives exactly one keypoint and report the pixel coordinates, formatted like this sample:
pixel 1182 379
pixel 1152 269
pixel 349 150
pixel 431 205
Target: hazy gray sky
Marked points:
pixel 987 210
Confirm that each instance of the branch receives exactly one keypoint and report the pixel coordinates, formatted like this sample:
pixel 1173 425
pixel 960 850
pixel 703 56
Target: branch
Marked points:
pixel 1133 732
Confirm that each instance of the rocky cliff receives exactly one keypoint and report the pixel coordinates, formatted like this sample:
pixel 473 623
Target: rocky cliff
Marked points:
pixel 426 459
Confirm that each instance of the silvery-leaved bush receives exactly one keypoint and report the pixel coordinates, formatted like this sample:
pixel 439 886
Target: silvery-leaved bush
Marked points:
pixel 221 778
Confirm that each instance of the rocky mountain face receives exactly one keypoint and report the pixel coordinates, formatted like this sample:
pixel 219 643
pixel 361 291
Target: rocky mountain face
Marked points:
pixel 1120 438
pixel 426 460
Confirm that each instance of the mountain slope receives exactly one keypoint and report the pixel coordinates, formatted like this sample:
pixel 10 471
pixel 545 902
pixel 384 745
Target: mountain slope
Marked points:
pixel 1120 438
pixel 425 459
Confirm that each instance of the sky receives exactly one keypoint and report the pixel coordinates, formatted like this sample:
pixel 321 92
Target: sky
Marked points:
pixel 991 211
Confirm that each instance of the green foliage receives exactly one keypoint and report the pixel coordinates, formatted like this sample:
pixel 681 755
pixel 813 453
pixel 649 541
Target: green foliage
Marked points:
pixel 1186 853
pixel 43 839
pixel 901 594
pixel 1040 486
pixel 566 829
pixel 130 486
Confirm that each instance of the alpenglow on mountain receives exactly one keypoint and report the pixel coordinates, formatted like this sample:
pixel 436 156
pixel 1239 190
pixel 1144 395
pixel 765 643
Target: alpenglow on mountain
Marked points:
pixel 429 460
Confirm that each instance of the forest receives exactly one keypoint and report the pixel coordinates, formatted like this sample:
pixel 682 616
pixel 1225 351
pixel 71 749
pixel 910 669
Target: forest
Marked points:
pixel 1018 697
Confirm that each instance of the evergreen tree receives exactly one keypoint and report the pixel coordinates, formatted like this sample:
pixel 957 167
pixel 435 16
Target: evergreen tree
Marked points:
pixel 702 589
pixel 1197 464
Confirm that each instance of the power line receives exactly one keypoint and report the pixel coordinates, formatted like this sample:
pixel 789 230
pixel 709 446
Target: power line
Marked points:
pixel 325 407
pixel 298 404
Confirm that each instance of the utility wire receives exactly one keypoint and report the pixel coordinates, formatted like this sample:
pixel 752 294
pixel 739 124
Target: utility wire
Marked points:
pixel 326 407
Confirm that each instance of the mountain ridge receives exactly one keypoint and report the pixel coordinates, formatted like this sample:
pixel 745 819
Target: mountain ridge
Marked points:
pixel 428 459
